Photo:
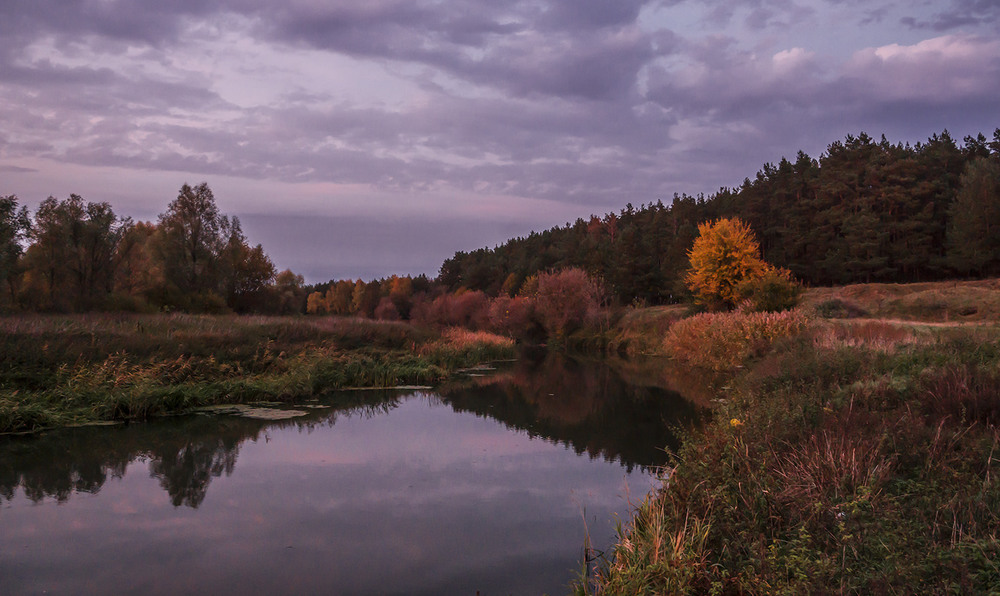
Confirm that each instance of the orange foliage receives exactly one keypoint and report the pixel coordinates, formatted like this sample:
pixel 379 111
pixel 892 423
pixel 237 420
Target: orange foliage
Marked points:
pixel 724 255
pixel 722 341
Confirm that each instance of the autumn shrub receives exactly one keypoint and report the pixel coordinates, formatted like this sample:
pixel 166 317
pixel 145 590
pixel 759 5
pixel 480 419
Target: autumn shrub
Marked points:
pixel 566 299
pixel 726 340
pixel 513 316
pixel 386 310
pixel 460 309
pixel 773 291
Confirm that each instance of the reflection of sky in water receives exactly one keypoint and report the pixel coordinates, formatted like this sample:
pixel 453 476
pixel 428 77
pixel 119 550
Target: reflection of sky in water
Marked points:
pixel 419 500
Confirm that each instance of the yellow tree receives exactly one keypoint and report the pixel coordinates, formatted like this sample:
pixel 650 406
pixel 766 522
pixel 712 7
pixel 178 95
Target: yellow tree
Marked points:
pixel 315 304
pixel 338 297
pixel 724 255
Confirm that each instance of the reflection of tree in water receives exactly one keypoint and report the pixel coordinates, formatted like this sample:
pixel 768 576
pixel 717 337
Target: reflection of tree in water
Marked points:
pixel 184 454
pixel 587 406
pixel 186 466
pixel 94 460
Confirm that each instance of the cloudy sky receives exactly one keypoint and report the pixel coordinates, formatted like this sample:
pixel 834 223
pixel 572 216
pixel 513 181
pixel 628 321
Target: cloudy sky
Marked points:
pixel 370 137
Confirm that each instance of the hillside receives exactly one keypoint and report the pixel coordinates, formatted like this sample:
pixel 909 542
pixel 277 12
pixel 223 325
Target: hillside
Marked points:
pixel 866 211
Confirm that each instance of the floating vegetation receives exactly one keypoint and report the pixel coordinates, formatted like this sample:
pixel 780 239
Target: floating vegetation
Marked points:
pixel 257 413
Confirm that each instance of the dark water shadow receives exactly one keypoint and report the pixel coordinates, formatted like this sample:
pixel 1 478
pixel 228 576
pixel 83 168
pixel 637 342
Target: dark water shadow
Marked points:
pixel 591 406
pixel 184 453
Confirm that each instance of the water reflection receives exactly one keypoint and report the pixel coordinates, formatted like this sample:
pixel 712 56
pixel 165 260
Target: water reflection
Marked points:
pixel 587 406
pixel 485 487
pixel 590 406
pixel 184 454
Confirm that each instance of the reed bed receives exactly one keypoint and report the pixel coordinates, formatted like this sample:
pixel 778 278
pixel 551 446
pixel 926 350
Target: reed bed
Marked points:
pixel 67 369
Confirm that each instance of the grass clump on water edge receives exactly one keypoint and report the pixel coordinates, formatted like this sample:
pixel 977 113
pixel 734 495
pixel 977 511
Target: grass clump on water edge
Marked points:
pixel 67 369
pixel 858 458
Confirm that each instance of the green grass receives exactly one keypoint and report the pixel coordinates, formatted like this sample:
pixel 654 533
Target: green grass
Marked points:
pixel 59 370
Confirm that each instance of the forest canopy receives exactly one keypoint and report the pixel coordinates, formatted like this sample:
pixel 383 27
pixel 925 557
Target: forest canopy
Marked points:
pixel 865 211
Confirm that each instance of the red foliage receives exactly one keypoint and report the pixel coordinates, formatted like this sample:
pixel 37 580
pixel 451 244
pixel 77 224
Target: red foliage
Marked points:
pixel 466 309
pixel 512 316
pixel 566 299
pixel 386 310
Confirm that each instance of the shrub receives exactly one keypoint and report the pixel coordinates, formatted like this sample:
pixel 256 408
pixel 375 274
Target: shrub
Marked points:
pixel 461 309
pixel 513 316
pixel 774 291
pixel 386 310
pixel 726 340
pixel 566 299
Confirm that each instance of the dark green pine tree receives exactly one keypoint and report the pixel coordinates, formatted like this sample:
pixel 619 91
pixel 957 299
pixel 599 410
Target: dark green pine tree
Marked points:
pixel 974 230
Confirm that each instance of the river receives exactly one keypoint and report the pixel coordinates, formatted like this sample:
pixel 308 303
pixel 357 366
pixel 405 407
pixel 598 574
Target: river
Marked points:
pixel 488 484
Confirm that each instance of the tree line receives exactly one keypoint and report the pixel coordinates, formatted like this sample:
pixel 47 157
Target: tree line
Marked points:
pixel 865 211
pixel 74 255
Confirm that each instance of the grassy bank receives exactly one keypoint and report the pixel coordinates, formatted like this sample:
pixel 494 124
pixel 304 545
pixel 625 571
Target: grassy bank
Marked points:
pixel 845 456
pixel 58 370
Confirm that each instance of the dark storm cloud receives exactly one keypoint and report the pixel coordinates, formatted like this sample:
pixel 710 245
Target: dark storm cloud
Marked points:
pixel 588 49
pixel 960 13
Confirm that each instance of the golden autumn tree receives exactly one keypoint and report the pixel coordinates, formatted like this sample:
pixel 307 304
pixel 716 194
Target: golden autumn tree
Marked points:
pixel 724 256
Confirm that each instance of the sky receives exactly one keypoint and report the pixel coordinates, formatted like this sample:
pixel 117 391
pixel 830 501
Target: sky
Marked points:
pixel 363 138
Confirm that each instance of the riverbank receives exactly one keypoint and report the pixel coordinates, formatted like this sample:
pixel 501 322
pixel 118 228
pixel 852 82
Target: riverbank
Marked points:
pixel 59 370
pixel 853 454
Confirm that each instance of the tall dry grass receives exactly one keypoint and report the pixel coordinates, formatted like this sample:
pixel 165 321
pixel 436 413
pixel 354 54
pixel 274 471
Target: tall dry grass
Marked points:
pixel 722 341
pixel 880 336
pixel 865 462
pixel 56 370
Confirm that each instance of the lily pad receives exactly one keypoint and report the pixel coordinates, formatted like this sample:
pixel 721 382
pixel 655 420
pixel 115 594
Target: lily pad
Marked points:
pixel 248 411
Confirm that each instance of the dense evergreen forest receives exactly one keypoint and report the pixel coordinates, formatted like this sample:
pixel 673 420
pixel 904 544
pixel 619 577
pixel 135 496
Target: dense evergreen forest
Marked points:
pixel 865 211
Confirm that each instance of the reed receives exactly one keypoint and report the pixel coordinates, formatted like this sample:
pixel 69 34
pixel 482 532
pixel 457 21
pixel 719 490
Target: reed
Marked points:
pixel 66 369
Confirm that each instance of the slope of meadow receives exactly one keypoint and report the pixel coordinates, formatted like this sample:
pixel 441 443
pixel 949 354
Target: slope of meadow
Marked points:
pixel 854 451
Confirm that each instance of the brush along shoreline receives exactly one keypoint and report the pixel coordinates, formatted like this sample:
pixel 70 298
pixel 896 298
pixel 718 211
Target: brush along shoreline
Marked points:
pixel 855 449
pixel 61 370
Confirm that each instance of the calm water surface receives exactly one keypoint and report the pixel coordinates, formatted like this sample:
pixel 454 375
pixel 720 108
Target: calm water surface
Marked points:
pixel 489 484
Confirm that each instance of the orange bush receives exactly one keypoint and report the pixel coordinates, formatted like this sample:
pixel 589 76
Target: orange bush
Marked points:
pixel 726 340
